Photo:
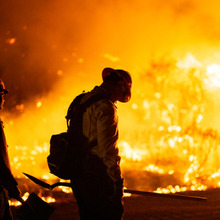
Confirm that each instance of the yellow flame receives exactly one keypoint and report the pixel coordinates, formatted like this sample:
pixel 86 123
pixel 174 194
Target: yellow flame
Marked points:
pixel 155 169
pixel 47 199
pixel 188 62
pixel 166 148
pixel 39 104
pixel 129 153
pixel 213 73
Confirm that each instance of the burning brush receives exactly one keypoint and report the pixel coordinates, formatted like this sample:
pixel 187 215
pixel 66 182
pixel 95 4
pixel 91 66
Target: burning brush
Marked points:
pixel 172 196
pixel 34 208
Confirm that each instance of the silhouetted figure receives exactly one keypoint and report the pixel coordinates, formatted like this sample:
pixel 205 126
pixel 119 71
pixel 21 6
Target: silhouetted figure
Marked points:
pixel 7 181
pixel 99 191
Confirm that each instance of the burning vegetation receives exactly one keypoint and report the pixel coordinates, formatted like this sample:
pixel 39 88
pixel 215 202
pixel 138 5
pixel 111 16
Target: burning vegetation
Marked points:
pixel 168 141
pixel 174 142
pixel 169 131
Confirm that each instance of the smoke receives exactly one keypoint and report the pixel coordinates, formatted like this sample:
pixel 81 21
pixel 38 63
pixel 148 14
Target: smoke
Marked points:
pixel 46 43
pixel 55 39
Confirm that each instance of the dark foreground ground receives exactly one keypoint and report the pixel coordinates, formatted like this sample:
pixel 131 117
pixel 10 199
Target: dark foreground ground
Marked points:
pixel 145 207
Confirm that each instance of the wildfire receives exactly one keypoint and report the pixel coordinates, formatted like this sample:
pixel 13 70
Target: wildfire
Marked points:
pixel 155 169
pixel 169 145
pixel 213 73
pixel 47 199
pixel 129 153
pixel 39 104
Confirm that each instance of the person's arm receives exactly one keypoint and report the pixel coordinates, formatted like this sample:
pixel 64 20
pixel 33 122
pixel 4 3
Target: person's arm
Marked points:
pixel 6 178
pixel 107 136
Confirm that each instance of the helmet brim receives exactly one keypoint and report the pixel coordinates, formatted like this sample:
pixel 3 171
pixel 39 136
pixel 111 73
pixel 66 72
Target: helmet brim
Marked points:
pixel 121 73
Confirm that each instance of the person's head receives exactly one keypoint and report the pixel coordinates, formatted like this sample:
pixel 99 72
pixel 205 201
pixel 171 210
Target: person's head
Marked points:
pixel 3 91
pixel 120 83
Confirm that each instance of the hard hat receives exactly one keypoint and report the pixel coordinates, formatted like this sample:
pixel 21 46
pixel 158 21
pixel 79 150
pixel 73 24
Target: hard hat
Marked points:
pixel 126 78
pixel 2 87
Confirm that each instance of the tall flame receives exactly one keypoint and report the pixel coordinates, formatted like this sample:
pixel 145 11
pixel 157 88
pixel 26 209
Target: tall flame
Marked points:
pixel 169 131
pixel 167 142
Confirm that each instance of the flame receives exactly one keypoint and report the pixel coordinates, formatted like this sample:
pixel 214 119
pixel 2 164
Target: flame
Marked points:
pixel 129 153
pixel 155 169
pixel 39 104
pixel 168 141
pixel 47 199
pixel 213 73
pixel 188 62
pixel 169 131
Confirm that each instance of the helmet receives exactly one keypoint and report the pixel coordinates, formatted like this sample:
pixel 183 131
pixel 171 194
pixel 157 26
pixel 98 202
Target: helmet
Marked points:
pixel 126 78
pixel 2 87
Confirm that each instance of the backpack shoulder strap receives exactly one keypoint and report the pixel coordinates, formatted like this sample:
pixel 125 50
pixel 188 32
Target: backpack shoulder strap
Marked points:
pixel 77 108
pixel 91 100
pixel 74 104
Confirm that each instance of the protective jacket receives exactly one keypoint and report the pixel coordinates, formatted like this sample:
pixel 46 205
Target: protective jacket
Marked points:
pixel 6 178
pixel 100 125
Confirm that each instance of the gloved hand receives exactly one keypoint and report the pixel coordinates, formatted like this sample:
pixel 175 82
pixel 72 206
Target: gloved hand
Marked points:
pixel 118 191
pixel 14 192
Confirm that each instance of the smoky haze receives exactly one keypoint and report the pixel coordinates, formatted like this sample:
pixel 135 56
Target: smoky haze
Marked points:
pixel 54 39
pixel 40 41
pixel 50 50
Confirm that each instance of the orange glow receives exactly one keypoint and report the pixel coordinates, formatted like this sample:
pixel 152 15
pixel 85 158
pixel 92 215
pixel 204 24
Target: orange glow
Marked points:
pixel 11 41
pixel 169 131
pixel 164 135
pixel 213 73
pixel 20 107
pixel 39 104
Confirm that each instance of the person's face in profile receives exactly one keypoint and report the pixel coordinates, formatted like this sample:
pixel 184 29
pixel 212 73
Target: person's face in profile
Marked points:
pixel 124 92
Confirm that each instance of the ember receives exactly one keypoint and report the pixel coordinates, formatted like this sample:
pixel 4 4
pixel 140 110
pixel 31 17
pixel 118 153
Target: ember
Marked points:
pixel 11 41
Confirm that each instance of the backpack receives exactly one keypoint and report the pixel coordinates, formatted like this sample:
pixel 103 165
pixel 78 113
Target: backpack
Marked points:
pixel 69 150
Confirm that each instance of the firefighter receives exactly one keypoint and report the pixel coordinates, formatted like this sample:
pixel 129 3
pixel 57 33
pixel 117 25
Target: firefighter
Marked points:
pixel 99 191
pixel 7 181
